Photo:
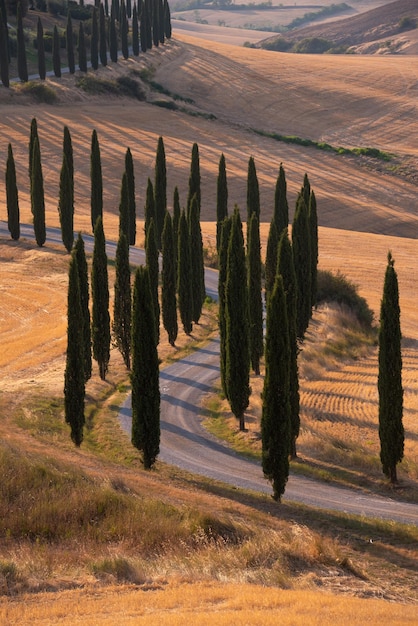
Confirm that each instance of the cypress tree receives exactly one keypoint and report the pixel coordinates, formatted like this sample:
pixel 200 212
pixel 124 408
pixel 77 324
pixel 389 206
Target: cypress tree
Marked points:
pixel 68 152
pixel 84 299
pixel 168 279
pixel 124 31
pixel 100 330
pixel 130 178
pixel 22 66
pixel 74 385
pixel 221 200
pixel 56 56
pixel 143 26
pixel 82 54
pixel 286 269
pixel 41 50
pixel 12 197
pixel 275 419
pixel 281 207
pixel 69 38
pixel 145 373
pixel 94 42
pixel 149 207
pixel 113 39
pixel 313 229
pixel 194 179
pixel 151 255
pixel 306 189
pixel 96 197
pixel 123 302
pixel 4 53
pixel 160 189
pixel 167 20
pixel 65 206
pixel 184 276
pixel 391 431
pixel 222 264
pixel 124 208
pixel 176 221
pixel 155 23
pixel 4 21
pixel 148 22
pixel 33 135
pixel 253 192
pixel 102 38
pixel 255 308
pixel 196 257
pixel 129 8
pixel 302 259
pixel 271 258
pixel 106 8
pixel 37 195
pixel 236 313
pixel 135 31
pixel 161 22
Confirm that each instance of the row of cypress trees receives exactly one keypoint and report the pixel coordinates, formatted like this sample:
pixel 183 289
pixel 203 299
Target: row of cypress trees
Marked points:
pixel 150 25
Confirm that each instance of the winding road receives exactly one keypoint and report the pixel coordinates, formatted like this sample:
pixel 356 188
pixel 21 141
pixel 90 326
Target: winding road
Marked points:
pixel 186 444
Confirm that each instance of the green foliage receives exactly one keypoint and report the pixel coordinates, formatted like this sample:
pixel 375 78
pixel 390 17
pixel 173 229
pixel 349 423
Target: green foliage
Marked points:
pixel 100 296
pixel 96 180
pixel 337 288
pixel 66 206
pixel 221 199
pixel 124 220
pixel 94 44
pixel 325 11
pixel 80 12
pixel 223 257
pixel 102 36
pixel 74 383
pixel 57 7
pixel 255 307
pixel 237 331
pixel 84 300
pixel 145 372
pixel 196 256
pixel 194 180
pixel 184 276
pixel 407 23
pixel 275 418
pixel 160 190
pixel 281 207
pixel 113 40
pixel 22 67
pixel 301 245
pixel 82 53
pixel 44 94
pixel 4 53
pixel 121 86
pixel 391 431
pixel 151 253
pixel 56 58
pixel 271 258
pixel 70 44
pixel 37 195
pixel 123 302
pixel 12 198
pixel 168 279
pixel 312 45
pixel 253 192
pixel 278 45
pixel 130 179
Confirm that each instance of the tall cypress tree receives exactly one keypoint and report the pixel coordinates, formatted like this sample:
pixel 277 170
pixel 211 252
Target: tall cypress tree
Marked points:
pixel 184 276
pixel 33 135
pixel 69 38
pixel 151 254
pixel 391 431
pixel 74 385
pixel 302 259
pixel 148 22
pixel 306 189
pixel 145 373
pixel 12 198
pixel 168 280
pixel 113 39
pixel 123 301
pixel 255 306
pixel 176 221
pixel 68 152
pixel 155 23
pixel 56 55
pixel 82 54
pixel 22 66
pixel 160 189
pixel 135 32
pixel 194 179
pixel 94 42
pixel 313 229
pixel 196 256
pixel 275 419
pixel 253 192
pixel 167 20
pixel 130 179
pixel 37 195
pixel 100 330
pixel 129 8
pixel 286 269
pixel 84 299
pixel 124 208
pixel 66 207
pixel 143 25
pixel 281 207
pixel 222 264
pixel 161 22
pixel 4 53
pixel 149 206
pixel 96 197
pixel 103 37
pixel 124 30
pixel 221 200
pixel 236 313
pixel 271 258
pixel 41 50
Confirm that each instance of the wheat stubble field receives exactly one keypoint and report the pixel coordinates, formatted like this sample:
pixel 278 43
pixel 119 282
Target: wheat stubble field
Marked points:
pixel 365 207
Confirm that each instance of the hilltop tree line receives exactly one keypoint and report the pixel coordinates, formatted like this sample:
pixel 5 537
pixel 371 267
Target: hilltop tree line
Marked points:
pixel 289 278
pixel 102 33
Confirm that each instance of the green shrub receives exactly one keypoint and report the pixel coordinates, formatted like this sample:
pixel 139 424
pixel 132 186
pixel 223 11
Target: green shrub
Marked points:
pixel 279 45
pixel 130 87
pixel 407 23
pixel 337 288
pixel 80 12
pixel 40 92
pixel 57 7
pixel 312 45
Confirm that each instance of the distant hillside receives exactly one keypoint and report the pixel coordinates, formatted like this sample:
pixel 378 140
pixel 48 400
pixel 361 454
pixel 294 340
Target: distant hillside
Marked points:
pixel 387 21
